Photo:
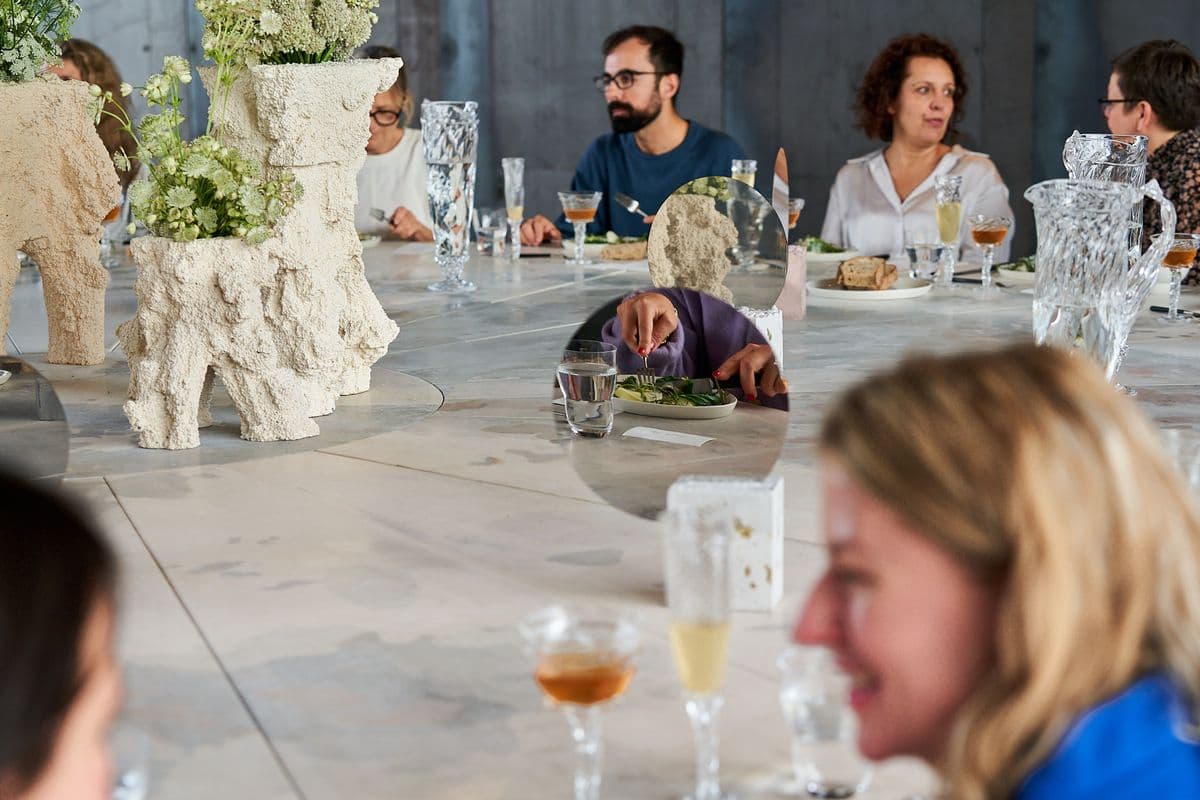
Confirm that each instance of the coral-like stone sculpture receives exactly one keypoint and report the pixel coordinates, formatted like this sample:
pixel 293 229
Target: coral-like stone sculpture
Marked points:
pixel 57 184
pixel 313 119
pixel 687 245
pixel 200 312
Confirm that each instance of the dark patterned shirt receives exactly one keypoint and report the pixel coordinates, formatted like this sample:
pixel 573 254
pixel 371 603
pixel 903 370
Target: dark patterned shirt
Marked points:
pixel 1176 167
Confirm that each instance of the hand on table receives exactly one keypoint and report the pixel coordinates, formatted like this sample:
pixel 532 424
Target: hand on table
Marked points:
pixel 754 360
pixel 405 225
pixel 539 229
pixel 646 321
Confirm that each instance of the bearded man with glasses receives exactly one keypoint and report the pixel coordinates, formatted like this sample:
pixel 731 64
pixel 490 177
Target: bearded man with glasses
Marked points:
pixel 652 150
pixel 393 177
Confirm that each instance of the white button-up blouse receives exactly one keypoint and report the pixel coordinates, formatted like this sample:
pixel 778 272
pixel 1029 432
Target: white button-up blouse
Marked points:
pixel 866 214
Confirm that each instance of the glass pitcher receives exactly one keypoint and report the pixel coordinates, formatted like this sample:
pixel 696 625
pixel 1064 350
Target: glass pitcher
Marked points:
pixel 1116 157
pixel 1085 283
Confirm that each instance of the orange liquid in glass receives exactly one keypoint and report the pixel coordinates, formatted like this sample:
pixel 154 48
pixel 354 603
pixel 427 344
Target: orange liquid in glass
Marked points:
pixel 583 678
pixel 112 215
pixel 793 218
pixel 580 214
pixel 1178 259
pixel 988 235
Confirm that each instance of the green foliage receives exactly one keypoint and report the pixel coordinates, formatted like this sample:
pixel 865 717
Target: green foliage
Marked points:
pixel 30 31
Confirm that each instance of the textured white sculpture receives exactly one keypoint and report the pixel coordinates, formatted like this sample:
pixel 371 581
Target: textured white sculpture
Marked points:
pixel 57 183
pixel 312 119
pixel 756 549
pixel 200 313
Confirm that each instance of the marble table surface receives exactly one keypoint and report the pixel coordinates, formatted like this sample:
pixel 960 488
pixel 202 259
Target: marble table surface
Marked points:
pixel 334 617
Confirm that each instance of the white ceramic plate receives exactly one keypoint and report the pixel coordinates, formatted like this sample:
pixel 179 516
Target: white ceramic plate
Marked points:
pixel 829 258
pixel 4 376
pixel 903 289
pixel 369 241
pixel 591 251
pixel 1015 277
pixel 673 412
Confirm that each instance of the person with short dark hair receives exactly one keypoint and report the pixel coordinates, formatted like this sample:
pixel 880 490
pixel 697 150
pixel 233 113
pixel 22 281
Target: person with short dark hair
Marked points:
pixel 393 176
pixel 912 97
pixel 652 150
pixel 59 684
pixel 1154 91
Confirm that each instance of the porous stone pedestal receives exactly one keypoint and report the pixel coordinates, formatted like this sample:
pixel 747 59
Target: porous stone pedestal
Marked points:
pixel 313 119
pixel 57 184
pixel 200 314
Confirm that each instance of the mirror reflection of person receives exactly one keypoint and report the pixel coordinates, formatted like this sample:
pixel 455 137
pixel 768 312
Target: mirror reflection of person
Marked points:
pixel 685 333
pixel 393 177
pixel 60 687
pixel 1013 579
pixel 912 97
pixel 1154 91
pixel 84 61
pixel 652 150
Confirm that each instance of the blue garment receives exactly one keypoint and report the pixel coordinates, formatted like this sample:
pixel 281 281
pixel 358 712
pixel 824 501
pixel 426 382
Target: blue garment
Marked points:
pixel 613 163
pixel 1132 747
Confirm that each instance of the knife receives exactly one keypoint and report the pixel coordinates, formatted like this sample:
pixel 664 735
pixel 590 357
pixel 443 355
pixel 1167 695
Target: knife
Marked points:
pixel 1182 312
pixel 629 204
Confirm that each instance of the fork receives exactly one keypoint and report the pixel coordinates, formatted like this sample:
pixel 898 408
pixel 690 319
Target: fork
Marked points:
pixel 629 204
pixel 379 214
pixel 644 375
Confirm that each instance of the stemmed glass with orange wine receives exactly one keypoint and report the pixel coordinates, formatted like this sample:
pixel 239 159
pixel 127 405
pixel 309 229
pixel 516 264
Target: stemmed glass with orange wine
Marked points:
pixel 580 208
pixel 988 231
pixel 1179 259
pixel 584 658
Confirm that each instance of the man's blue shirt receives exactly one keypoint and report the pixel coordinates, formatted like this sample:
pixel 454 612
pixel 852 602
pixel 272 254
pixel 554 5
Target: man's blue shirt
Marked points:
pixel 613 163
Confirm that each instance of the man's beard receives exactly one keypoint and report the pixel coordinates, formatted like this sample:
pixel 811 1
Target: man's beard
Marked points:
pixel 635 120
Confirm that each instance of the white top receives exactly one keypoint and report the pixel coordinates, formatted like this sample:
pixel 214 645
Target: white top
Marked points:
pixel 866 214
pixel 393 180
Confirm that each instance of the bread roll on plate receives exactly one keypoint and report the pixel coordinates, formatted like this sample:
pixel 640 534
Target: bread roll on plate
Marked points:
pixel 866 272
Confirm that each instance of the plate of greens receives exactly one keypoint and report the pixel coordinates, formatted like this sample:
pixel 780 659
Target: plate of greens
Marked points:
pixel 673 398
pixel 823 252
pixel 1019 272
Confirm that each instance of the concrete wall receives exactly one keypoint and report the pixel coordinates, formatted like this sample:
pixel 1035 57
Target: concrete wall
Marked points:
pixel 770 72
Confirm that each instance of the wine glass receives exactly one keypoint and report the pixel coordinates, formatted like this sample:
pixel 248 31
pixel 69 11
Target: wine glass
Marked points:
pixel 583 658
pixel 744 170
pixel 947 195
pixel 795 206
pixel 1179 258
pixel 514 201
pixel 698 588
pixel 813 695
pixel 131 761
pixel 988 231
pixel 580 208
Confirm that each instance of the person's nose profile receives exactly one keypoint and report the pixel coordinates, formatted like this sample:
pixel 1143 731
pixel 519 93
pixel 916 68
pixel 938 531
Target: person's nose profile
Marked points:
pixel 817 622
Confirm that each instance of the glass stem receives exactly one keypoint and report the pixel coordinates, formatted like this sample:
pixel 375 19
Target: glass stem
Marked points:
pixel 580 234
pixel 1176 285
pixel 947 265
pixel 514 239
pixel 986 273
pixel 589 749
pixel 704 710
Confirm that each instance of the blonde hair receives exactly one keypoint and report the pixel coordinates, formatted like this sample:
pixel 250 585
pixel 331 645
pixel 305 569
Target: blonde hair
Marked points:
pixel 1030 469
pixel 96 67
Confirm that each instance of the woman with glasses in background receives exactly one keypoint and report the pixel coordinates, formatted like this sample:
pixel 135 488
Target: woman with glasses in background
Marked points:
pixel 912 98
pixel 393 177
pixel 1154 91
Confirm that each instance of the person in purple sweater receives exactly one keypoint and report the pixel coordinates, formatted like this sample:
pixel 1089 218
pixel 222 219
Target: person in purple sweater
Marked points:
pixel 1013 585
pixel 686 333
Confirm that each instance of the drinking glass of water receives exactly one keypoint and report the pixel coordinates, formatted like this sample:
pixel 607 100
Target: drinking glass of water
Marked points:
pixel 449 136
pixel 587 376
pixel 491 229
pixel 924 248
pixel 814 697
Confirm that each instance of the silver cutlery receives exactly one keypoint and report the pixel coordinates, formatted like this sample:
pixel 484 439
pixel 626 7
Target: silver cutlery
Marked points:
pixel 629 204
pixel 380 214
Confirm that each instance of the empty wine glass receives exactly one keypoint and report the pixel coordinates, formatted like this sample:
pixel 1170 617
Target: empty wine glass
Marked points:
pixel 988 231
pixel 579 208
pixel 814 696
pixel 698 588
pixel 583 658
pixel 1179 258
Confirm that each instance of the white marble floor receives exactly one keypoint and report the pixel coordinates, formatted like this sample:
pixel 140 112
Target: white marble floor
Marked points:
pixel 334 617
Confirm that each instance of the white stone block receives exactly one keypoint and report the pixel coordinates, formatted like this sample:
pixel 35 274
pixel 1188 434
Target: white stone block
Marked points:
pixel 756 549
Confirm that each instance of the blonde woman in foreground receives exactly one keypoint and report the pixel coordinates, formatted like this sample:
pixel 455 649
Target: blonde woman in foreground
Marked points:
pixel 1014 579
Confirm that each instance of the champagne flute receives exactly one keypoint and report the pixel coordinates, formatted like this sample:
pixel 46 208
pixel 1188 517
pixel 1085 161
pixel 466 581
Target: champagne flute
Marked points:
pixel 698 588
pixel 947 194
pixel 584 658
pixel 580 208
pixel 514 201
pixel 1179 258
pixel 988 232
pixel 744 170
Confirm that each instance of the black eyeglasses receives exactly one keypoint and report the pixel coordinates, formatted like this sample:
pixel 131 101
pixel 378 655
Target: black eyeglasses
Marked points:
pixel 1106 102
pixel 623 79
pixel 385 116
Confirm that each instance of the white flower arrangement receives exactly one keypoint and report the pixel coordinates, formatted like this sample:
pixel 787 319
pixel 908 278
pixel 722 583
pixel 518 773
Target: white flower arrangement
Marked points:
pixel 285 31
pixel 199 189
pixel 30 31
